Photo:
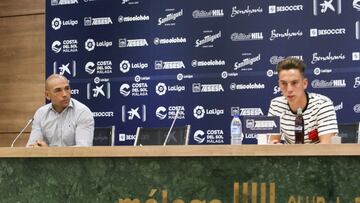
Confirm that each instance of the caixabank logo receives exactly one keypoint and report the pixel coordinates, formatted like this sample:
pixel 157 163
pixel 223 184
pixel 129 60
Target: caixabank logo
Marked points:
pixel 327 7
pixel 133 113
pixel 67 68
pixel 99 89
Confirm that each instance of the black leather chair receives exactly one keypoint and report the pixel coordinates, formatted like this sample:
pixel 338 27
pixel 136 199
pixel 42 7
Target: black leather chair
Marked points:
pixel 104 136
pixel 349 133
pixel 158 136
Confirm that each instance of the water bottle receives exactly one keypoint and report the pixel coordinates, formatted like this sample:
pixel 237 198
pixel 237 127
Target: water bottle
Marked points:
pixel 236 131
pixel 299 127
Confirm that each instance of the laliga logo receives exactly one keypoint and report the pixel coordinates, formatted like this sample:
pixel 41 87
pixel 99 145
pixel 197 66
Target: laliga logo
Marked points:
pixel 161 88
pixel 90 67
pixel 161 112
pixel 199 112
pixel 357 82
pixel 90 45
pixel 199 136
pixel 125 66
pixel 56 23
pixel 125 89
pixel 56 46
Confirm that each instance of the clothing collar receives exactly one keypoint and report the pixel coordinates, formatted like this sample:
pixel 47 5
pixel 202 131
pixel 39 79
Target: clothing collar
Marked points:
pixel 307 103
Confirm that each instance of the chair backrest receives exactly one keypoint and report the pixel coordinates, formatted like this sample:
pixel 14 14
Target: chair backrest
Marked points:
pixel 104 136
pixel 157 136
pixel 349 133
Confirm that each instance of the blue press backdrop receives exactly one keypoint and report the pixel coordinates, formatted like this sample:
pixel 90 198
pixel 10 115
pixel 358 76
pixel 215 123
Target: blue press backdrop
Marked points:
pixel 137 62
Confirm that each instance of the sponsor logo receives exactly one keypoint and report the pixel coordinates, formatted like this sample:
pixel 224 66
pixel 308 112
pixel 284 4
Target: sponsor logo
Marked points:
pixel 65 68
pixel 357 82
pixel 168 20
pixel 90 44
pixel 208 14
pixel 90 21
pixel 181 76
pixel 100 88
pixel 129 2
pixel 339 106
pixel 328 84
pixel 199 112
pixel 123 137
pixel 133 113
pixel 277 90
pixel 173 40
pixel 132 43
pixel 198 87
pixel 246 111
pixel 329 58
pixel 204 43
pixel 286 35
pixel 135 90
pixel 246 37
pixel 247 11
pixel 356 108
pixel 318 71
pixel 226 74
pixel 277 9
pixel 260 124
pixel 63 2
pixel 211 62
pixel 137 18
pixel 103 114
pixel 356 4
pixel 270 73
pixel 167 65
pixel 57 23
pixel 100 67
pixel 199 136
pixel 356 56
pixel 75 91
pixel 274 60
pixel 327 6
pixel 170 112
pixel 139 78
pixel 66 46
pixel 249 86
pixel 162 88
pixel 314 32
pixel 246 62
pixel 125 66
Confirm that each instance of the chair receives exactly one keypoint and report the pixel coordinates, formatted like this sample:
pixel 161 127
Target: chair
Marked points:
pixel 104 136
pixel 157 136
pixel 349 133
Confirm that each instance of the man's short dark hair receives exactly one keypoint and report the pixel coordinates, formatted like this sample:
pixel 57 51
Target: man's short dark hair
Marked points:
pixel 291 63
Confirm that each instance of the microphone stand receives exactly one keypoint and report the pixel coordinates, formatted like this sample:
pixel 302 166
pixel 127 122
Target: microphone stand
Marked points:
pixel 17 137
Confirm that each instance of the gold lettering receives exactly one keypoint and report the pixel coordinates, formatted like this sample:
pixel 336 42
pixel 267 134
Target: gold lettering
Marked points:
pixel 320 200
pixel 152 193
pixel 272 193
pixel 236 192
pixel 164 196
pixel 292 199
pixel 337 199
pixel 357 199
pixel 178 201
pixel 254 192
pixel 245 193
pixel 263 192
pixel 197 201
pixel 215 201
pixel 127 200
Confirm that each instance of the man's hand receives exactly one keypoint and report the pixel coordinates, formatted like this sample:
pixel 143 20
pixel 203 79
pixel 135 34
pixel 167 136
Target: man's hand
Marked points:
pixel 39 143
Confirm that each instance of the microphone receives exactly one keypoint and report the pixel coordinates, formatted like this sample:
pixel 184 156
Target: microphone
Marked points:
pixel 17 137
pixel 172 125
